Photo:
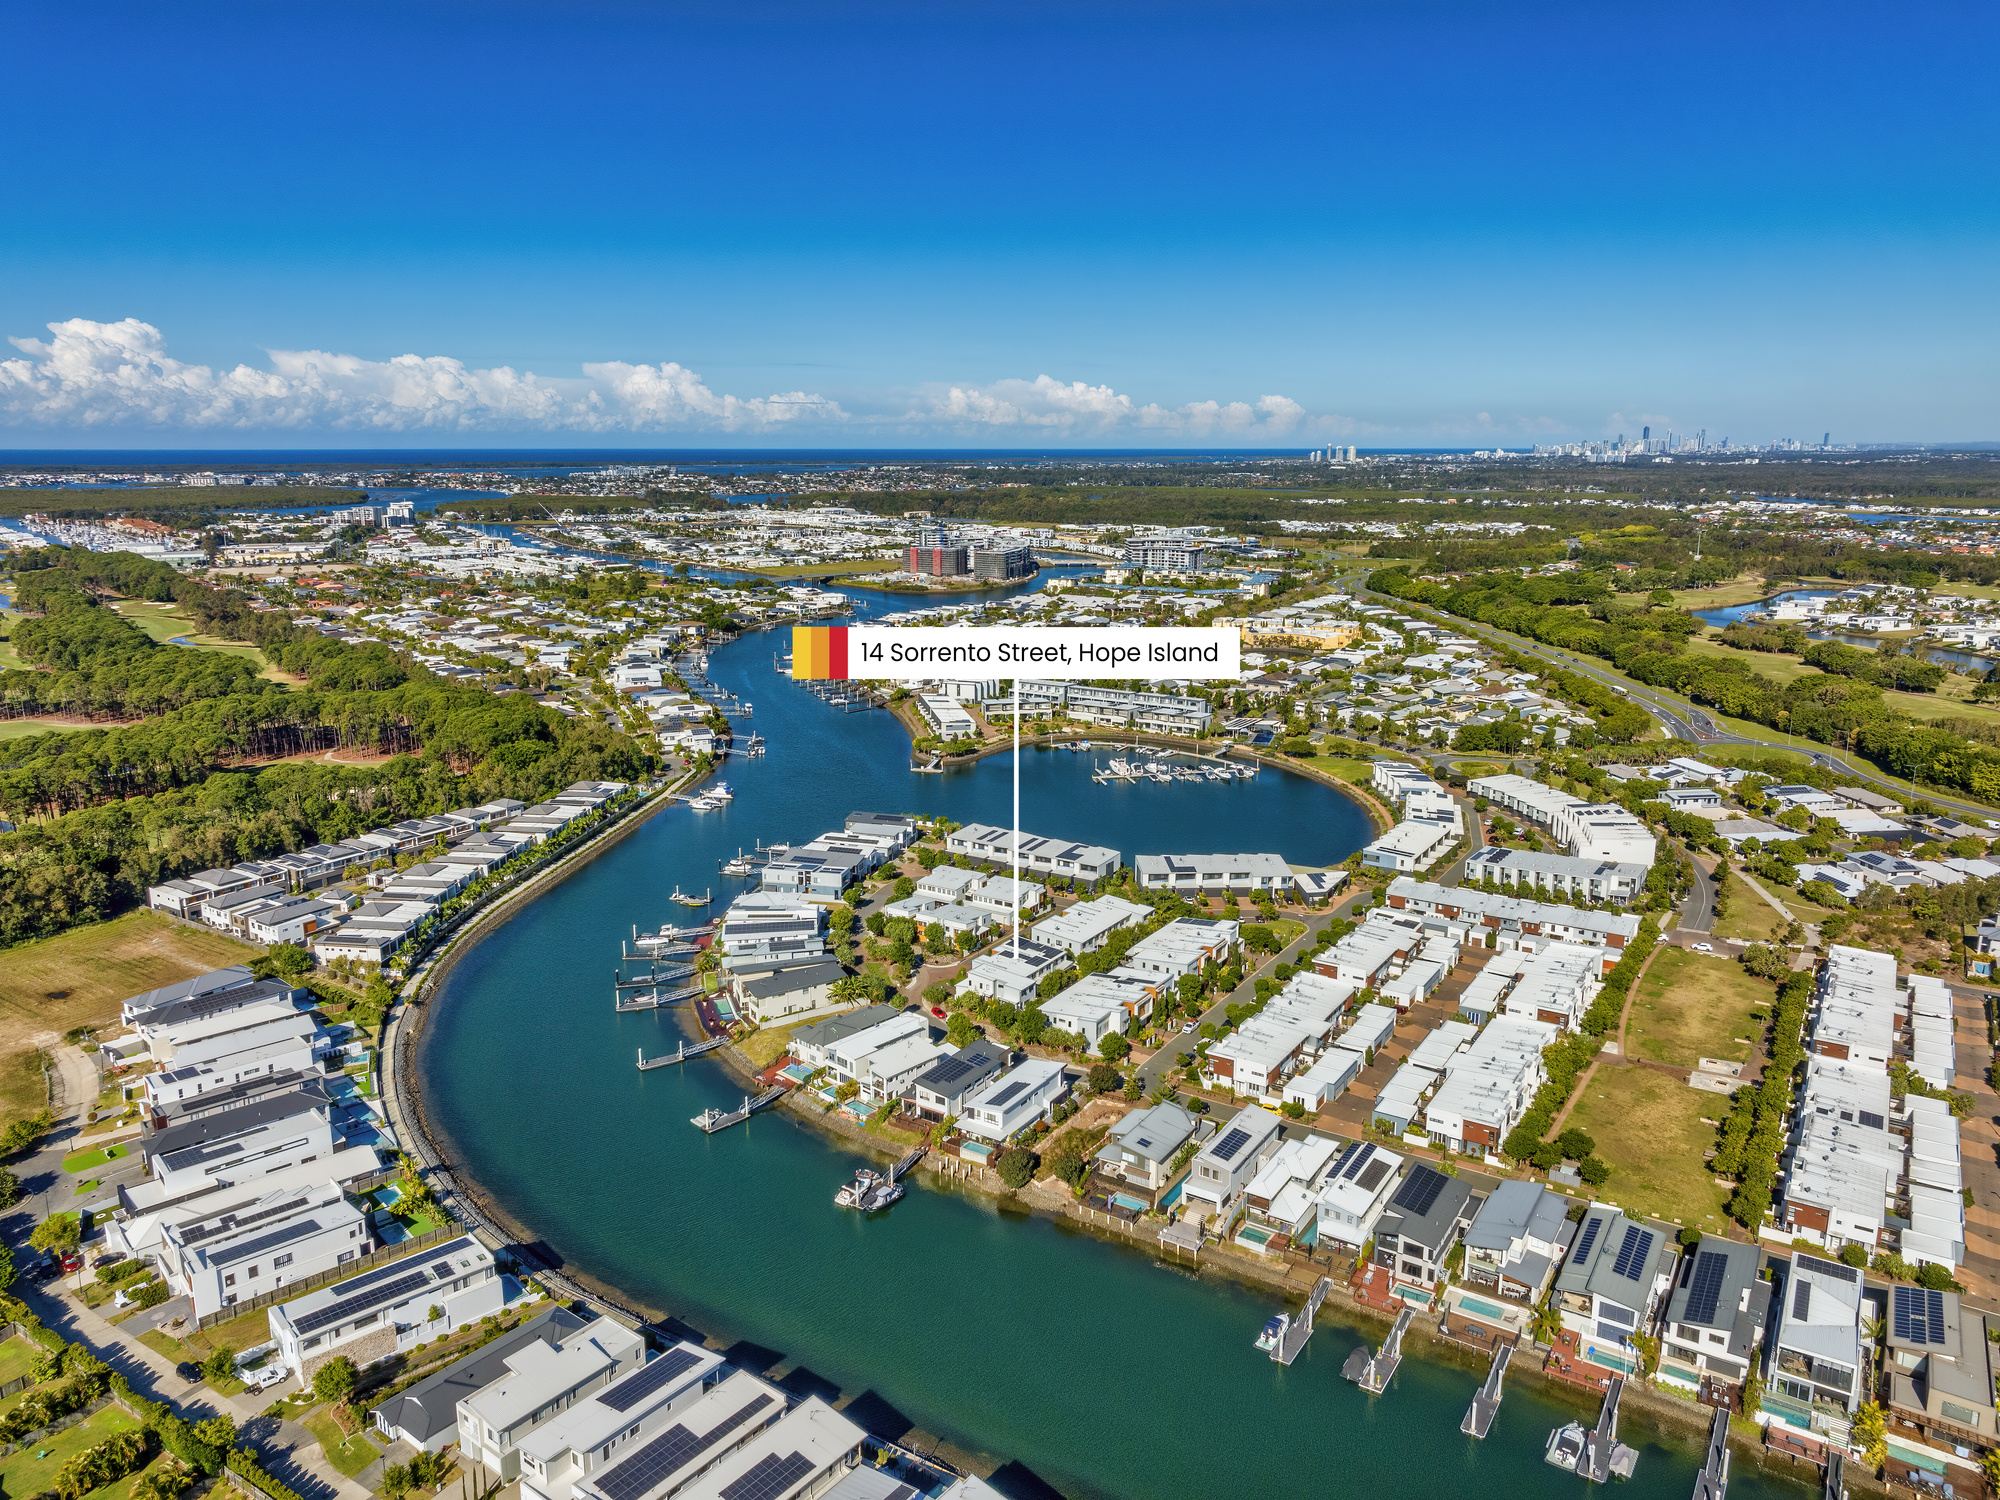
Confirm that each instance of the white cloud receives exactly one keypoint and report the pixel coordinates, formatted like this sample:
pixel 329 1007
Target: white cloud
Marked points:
pixel 1076 409
pixel 90 374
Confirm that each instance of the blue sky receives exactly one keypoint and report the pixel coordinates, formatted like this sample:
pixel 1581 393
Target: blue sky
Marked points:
pixel 997 224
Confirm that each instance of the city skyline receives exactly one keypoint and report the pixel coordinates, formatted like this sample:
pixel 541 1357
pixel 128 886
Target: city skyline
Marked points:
pixel 1005 227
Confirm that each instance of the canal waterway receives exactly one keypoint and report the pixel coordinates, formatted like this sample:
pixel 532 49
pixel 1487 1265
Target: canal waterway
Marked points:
pixel 1082 1366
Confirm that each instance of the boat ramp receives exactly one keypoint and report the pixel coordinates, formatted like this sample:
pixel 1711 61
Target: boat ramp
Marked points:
pixel 1486 1405
pixel 1373 1372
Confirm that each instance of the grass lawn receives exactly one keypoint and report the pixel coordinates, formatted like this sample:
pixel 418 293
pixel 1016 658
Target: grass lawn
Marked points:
pixel 1750 915
pixel 1690 1006
pixel 21 729
pixel 1650 1128
pixel 26 1473
pixel 1744 592
pixel 17 1358
pixel 1948 701
pixel 163 622
pixel 83 1161
pixel 350 1455
pixel 238 1333
pixel 79 978
pixel 1335 765
pixel 828 569
pixel 767 1045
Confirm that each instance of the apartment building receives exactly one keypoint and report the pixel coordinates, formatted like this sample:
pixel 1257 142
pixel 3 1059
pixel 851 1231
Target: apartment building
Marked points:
pixel 1586 879
pixel 1038 855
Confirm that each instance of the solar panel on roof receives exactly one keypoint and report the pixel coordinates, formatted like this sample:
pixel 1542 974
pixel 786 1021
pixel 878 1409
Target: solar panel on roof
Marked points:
pixel 340 1312
pixel 1360 1155
pixel 1419 1190
pixel 1230 1144
pixel 643 1382
pixel 1917 1315
pixel 1707 1287
pixel 670 1452
pixel 1802 1299
pixel 1004 1095
pixel 1588 1238
pixel 1632 1252
pixel 1833 1268
pixel 949 1071
pixel 769 1478
pixel 1372 1178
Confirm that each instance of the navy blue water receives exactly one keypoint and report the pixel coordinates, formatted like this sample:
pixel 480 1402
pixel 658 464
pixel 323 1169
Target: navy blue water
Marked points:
pixel 1728 615
pixel 1083 1364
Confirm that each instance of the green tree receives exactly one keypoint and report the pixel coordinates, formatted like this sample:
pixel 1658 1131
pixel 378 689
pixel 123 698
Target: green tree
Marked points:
pixel 218 1431
pixel 334 1380
pixel 1113 1047
pixel 290 960
pixel 961 1030
pixel 1871 1435
pixel 219 1366
pixel 61 1233
pixel 1016 1166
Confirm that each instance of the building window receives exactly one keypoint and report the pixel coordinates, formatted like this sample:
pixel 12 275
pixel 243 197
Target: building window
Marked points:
pixel 253 1272
pixel 280 1260
pixel 347 1255
pixel 229 1281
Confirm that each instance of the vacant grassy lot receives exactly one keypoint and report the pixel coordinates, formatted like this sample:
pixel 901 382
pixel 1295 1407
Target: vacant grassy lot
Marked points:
pixel 1650 1128
pixel 768 1045
pixel 1690 1006
pixel 17 1358
pixel 79 978
pixel 1750 915
pixel 830 569
pixel 33 1470
pixel 1741 592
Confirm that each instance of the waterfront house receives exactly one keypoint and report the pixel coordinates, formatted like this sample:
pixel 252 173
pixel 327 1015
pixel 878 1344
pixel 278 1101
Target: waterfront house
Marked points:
pixel 818 870
pixel 1816 1372
pixel 1517 1239
pixel 1424 1219
pixel 1010 1102
pixel 1610 1284
pixel 1713 1329
pixel 765 927
pixel 752 1445
pixel 810 1044
pixel 1283 1197
pixel 1038 855
pixel 772 994
pixel 387 1309
pixel 1355 1193
pixel 849 1057
pixel 239 1144
pixel 542 1380
pixel 948 883
pixel 1223 1167
pixel 942 1089
pixel 614 1423
pixel 1941 1367
pixel 238 1251
pixel 1214 874
pixel 1088 925
pixel 426 1414
pixel 1141 1146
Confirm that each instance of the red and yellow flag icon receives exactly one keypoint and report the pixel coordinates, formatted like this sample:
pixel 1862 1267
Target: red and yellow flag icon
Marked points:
pixel 819 651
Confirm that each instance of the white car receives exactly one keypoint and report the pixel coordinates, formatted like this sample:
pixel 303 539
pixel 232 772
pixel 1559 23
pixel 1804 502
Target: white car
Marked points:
pixel 1702 947
pixel 1187 1027
pixel 264 1378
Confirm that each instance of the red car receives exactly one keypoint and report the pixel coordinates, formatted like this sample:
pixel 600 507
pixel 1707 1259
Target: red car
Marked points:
pixel 72 1263
pixel 938 1011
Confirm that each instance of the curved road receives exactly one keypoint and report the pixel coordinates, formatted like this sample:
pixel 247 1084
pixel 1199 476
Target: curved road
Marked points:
pixel 1680 718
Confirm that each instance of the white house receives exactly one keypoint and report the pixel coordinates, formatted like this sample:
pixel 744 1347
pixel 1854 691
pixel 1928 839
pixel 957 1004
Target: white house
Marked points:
pixel 1009 1103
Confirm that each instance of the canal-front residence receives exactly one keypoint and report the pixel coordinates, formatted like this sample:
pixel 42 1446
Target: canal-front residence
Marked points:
pixel 943 1089
pixel 1816 1372
pixel 1355 1194
pixel 543 1380
pixel 1038 855
pixel 387 1310
pixel 1611 1284
pixel 1517 1239
pixel 1715 1319
pixel 1004 1106
pixel 1222 1169
pixel 425 1415
pixel 1140 1148
pixel 616 1421
pixel 1424 1220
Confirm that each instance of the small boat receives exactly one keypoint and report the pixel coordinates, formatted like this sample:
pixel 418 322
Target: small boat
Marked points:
pixel 1565 1448
pixel 1274 1332
pixel 870 1191
pixel 681 898
pixel 712 1119
pixel 721 793
pixel 739 866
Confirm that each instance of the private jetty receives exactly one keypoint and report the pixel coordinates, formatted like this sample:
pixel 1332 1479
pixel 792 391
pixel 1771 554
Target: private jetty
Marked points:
pixel 1486 1405
pixel 712 1120
pixel 668 1059
pixel 1373 1372
pixel 1597 1455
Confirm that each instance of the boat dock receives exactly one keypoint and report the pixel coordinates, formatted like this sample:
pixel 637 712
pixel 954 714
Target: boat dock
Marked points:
pixel 1834 1486
pixel 712 1120
pixel 1713 1480
pixel 667 1059
pixel 1603 1455
pixel 652 980
pixel 1373 1373
pixel 896 1172
pixel 654 999
pixel 1292 1342
pixel 1486 1405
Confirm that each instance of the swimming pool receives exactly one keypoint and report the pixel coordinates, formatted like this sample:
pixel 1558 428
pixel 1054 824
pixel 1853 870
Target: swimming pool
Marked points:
pixel 1130 1204
pixel 1479 1307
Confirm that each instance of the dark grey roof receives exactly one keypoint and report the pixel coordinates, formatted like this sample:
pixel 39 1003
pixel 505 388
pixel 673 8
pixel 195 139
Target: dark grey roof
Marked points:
pixel 211 1129
pixel 788 981
pixel 965 1069
pixel 276 1239
pixel 1614 1257
pixel 1708 1291
pixel 431 1405
pixel 1424 1210
pixel 232 1096
pixel 840 1028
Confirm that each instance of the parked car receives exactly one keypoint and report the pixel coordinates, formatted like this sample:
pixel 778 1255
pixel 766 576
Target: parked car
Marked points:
pixel 1702 947
pixel 264 1377
pixel 72 1263
pixel 1186 1027
pixel 938 1011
